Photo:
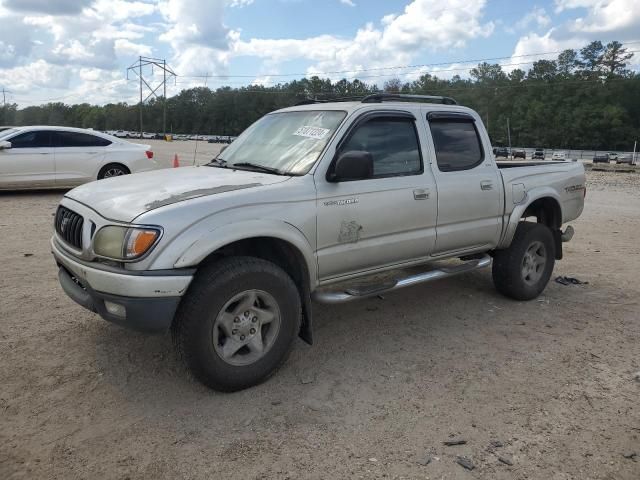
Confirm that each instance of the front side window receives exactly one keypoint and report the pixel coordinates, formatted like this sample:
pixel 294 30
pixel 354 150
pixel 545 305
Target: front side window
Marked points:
pixel 78 139
pixel 36 139
pixel 457 144
pixel 289 142
pixel 393 144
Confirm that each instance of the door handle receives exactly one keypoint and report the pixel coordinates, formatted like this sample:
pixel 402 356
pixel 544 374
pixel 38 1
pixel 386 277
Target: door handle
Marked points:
pixel 486 185
pixel 421 194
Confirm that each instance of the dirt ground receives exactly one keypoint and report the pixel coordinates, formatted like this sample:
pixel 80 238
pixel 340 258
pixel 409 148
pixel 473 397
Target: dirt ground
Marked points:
pixel 551 382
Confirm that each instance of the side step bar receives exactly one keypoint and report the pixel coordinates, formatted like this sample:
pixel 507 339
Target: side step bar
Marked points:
pixel 356 293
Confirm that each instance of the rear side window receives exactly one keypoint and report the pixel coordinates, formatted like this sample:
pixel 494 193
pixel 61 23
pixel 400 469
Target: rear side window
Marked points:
pixel 77 139
pixel 36 139
pixel 457 144
pixel 393 144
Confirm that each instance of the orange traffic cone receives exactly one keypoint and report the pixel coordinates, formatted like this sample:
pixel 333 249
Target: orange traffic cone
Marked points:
pixel 176 162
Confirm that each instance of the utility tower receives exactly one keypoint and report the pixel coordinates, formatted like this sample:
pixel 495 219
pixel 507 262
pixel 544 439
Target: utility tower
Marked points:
pixel 167 72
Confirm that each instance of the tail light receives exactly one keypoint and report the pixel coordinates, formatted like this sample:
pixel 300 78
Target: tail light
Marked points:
pixel 149 154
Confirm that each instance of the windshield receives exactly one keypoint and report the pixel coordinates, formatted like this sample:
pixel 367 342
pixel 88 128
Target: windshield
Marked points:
pixel 7 132
pixel 288 142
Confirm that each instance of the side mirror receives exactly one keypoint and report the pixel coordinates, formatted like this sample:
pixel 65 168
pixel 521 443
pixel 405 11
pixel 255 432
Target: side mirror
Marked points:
pixel 5 145
pixel 353 165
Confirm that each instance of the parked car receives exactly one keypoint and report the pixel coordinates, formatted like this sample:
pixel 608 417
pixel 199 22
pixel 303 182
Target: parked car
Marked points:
pixel 121 134
pixel 519 153
pixel 501 152
pixel 229 255
pixel 561 156
pixel 601 158
pixel 60 157
pixel 538 154
pixel 613 156
pixel 149 136
pixel 625 159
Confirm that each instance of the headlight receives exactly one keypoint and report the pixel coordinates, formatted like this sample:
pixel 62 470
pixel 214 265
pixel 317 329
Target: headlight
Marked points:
pixel 124 243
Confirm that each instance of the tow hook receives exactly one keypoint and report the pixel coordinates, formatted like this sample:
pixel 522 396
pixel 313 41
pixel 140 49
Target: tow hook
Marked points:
pixel 567 235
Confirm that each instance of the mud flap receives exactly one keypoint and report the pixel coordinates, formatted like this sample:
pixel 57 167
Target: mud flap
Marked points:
pixel 557 242
pixel 306 330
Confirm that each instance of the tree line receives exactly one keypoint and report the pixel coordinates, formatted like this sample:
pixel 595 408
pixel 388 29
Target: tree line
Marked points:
pixel 584 99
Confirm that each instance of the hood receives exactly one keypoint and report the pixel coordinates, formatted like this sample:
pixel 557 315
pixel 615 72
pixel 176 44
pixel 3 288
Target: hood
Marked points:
pixel 126 197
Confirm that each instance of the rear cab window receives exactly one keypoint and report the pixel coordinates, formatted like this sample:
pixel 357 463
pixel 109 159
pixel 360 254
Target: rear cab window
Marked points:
pixel 456 140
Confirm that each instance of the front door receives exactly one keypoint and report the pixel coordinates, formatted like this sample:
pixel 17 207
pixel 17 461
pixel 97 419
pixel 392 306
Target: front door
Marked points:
pixel 469 185
pixel 382 220
pixel 29 162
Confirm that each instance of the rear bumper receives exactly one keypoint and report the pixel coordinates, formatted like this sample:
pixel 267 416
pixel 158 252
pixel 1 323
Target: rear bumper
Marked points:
pixel 145 303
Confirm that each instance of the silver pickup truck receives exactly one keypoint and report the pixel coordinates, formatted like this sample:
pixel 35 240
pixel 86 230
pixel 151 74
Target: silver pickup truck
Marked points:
pixel 329 202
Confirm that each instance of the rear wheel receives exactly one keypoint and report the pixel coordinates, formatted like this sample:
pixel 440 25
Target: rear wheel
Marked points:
pixel 523 270
pixel 113 170
pixel 238 322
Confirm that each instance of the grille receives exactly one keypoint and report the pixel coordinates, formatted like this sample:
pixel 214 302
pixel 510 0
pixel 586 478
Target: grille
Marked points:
pixel 69 226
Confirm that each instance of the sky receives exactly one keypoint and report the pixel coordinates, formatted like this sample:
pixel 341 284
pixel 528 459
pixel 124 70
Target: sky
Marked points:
pixel 77 51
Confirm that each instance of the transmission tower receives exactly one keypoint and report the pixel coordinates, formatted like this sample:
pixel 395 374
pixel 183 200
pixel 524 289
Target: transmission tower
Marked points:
pixel 167 73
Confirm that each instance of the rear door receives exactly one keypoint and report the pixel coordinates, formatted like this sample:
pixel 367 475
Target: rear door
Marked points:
pixel 387 219
pixel 470 202
pixel 29 163
pixel 78 156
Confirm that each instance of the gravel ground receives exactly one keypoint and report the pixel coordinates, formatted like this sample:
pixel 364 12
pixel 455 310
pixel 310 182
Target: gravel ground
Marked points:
pixel 542 389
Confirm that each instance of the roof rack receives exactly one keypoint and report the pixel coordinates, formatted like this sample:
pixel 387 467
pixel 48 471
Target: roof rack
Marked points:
pixel 309 101
pixel 385 97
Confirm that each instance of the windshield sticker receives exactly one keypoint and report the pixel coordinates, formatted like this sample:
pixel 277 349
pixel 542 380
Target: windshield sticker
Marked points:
pixel 312 132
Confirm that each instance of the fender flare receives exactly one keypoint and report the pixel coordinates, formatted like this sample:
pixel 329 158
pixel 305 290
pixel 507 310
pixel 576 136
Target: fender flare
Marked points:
pixel 223 235
pixel 530 197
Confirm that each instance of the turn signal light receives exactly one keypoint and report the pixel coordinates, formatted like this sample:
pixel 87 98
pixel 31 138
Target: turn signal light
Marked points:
pixel 139 242
pixel 149 154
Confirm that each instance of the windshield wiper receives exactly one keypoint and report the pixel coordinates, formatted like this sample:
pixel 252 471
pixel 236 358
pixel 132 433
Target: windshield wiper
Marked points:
pixel 217 162
pixel 256 167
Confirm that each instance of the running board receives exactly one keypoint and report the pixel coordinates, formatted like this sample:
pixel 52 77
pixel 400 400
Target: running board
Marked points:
pixel 356 293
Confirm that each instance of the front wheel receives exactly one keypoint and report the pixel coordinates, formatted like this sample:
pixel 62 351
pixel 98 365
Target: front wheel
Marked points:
pixel 238 322
pixel 522 271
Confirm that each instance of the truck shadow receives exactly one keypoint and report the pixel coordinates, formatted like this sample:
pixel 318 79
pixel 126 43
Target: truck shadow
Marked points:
pixel 354 344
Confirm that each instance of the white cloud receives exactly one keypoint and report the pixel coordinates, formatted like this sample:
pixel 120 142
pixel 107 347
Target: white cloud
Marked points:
pixel 424 25
pixel 350 3
pixel 603 20
pixel 126 47
pixel 35 75
pixel 537 17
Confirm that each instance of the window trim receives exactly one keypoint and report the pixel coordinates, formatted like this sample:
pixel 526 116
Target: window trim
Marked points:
pixel 454 117
pixel 364 118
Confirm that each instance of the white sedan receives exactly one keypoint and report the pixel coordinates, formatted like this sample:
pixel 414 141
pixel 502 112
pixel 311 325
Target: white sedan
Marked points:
pixel 60 157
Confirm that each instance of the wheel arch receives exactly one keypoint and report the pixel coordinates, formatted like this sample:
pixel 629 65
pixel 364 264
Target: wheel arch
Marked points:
pixel 544 204
pixel 285 246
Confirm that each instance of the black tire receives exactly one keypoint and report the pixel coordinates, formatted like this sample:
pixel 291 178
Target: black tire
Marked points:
pixel 210 291
pixel 509 264
pixel 104 171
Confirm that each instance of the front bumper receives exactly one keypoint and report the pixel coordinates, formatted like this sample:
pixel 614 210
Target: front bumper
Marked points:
pixel 138 300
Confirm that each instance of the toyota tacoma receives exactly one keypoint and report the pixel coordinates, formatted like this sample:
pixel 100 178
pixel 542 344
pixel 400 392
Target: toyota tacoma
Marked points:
pixel 319 202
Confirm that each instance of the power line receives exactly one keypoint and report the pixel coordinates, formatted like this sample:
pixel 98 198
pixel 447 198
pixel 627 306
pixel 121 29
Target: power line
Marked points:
pixel 336 72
